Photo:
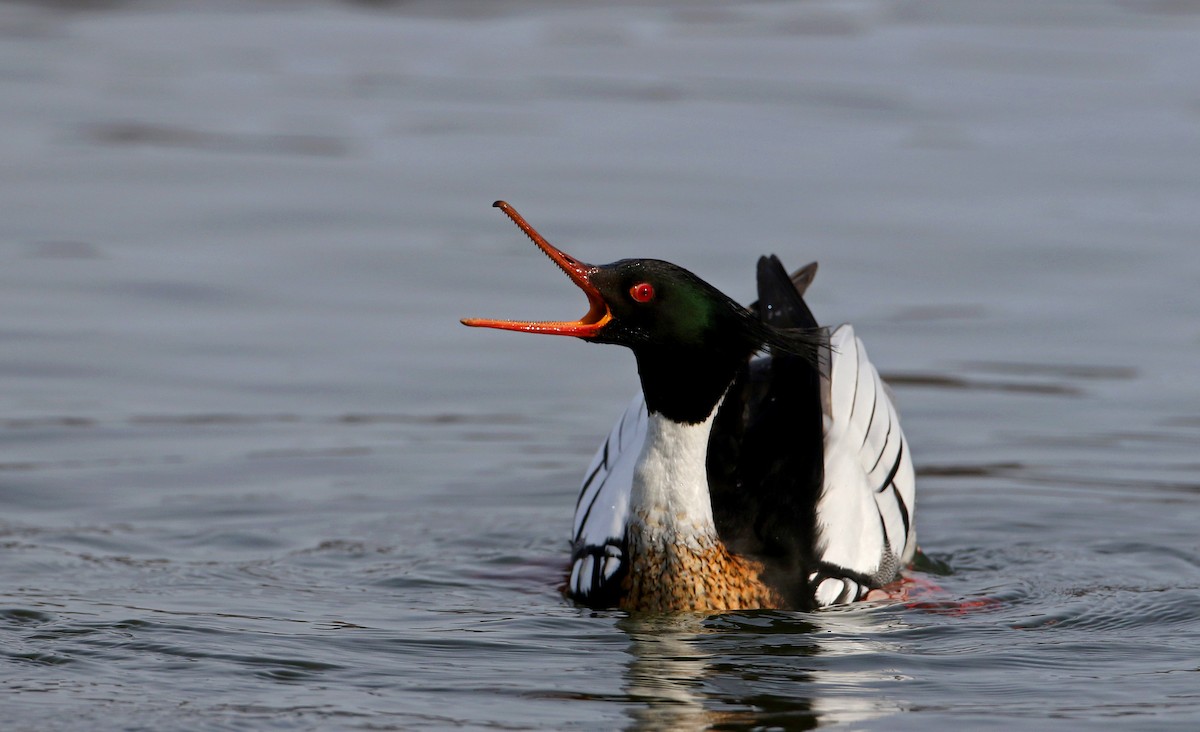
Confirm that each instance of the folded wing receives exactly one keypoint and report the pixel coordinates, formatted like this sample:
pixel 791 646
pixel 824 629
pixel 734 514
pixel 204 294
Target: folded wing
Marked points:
pixel 598 552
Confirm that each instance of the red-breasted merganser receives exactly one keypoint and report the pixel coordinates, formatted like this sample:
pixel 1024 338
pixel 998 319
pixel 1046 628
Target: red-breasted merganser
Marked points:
pixel 732 482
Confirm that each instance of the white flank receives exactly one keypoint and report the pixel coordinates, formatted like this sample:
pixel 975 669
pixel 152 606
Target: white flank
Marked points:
pixel 868 470
pixel 604 502
pixel 603 508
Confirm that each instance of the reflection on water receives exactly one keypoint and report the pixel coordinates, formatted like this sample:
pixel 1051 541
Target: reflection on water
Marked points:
pixel 667 673
pixel 758 670
pixel 855 688
pixel 684 676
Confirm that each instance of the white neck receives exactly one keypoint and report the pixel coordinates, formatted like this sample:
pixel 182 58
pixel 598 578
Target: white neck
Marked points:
pixel 670 482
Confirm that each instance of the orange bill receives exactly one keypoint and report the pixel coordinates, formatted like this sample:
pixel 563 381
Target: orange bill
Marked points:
pixel 598 314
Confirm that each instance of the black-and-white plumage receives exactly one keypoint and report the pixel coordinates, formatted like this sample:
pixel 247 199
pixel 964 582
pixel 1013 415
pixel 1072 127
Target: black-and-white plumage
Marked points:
pixel 863 513
pixel 732 481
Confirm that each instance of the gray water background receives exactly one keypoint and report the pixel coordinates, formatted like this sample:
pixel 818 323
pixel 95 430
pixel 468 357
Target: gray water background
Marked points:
pixel 254 475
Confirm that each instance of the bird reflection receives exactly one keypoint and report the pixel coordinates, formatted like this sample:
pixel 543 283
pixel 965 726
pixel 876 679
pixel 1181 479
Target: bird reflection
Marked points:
pixel 756 670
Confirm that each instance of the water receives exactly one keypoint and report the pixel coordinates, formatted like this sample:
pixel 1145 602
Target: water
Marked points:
pixel 254 475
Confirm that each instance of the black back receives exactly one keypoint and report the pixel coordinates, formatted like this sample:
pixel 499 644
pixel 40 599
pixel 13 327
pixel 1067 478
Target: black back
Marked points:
pixel 766 452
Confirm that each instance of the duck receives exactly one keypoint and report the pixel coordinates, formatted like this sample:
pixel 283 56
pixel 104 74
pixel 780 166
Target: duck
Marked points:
pixel 761 465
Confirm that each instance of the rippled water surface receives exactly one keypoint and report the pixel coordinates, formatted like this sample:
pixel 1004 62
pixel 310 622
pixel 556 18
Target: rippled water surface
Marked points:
pixel 254 475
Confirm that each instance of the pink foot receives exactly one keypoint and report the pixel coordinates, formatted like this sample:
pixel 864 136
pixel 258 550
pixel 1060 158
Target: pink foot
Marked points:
pixel 918 593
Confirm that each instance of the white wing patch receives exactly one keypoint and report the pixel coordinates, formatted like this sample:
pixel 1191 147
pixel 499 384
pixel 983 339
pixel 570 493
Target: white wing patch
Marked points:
pixel 864 514
pixel 598 537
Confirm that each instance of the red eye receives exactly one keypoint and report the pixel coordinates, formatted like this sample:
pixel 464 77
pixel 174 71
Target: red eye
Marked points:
pixel 642 292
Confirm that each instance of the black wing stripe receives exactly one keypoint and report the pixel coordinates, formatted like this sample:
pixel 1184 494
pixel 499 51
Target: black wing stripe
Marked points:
pixel 895 469
pixel 588 512
pixel 887 438
pixel 883 527
pixel 602 465
pixel 903 508
pixel 871 419
pixel 825 570
pixel 854 397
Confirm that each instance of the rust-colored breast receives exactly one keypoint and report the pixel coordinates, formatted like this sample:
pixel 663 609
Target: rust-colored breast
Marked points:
pixel 667 576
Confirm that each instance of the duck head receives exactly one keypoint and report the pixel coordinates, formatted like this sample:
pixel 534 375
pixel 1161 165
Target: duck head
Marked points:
pixel 689 338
